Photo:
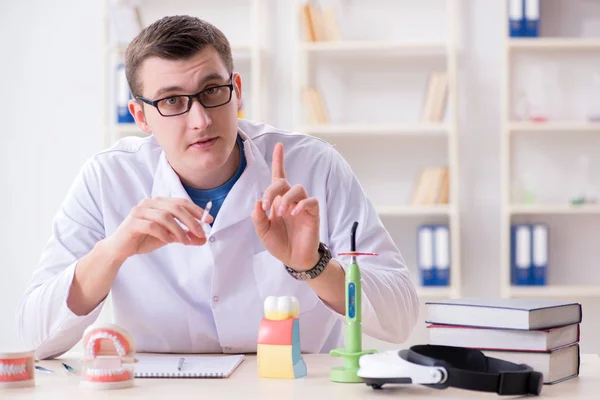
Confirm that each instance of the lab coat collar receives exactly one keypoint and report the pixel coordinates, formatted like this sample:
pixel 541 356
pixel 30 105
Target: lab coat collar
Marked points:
pixel 243 195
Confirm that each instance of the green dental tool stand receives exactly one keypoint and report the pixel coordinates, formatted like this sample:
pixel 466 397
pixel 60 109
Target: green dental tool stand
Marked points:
pixel 353 350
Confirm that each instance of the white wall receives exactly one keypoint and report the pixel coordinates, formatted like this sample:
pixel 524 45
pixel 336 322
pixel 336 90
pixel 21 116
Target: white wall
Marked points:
pixel 52 117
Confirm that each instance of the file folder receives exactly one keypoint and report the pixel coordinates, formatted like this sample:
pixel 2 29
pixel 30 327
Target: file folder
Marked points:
pixel 521 254
pixel 123 95
pixel 540 254
pixel 441 263
pixel 425 255
pixel 516 10
pixel 532 18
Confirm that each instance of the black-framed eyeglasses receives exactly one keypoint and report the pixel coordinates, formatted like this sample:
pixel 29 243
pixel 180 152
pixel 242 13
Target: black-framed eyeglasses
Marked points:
pixel 212 97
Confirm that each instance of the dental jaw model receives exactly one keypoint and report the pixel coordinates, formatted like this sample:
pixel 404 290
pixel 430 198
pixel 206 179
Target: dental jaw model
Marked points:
pixel 278 351
pixel 17 369
pixel 108 348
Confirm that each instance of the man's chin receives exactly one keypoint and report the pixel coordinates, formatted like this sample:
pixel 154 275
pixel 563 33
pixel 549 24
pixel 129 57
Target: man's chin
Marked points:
pixel 207 164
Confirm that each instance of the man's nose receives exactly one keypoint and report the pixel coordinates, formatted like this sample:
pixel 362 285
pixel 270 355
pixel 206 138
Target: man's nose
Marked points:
pixel 197 116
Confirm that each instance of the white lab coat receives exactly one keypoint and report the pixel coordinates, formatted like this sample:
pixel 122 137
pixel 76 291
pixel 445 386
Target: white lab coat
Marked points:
pixel 189 299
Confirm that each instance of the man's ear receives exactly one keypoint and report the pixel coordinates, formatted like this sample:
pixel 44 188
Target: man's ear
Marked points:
pixel 136 109
pixel 237 86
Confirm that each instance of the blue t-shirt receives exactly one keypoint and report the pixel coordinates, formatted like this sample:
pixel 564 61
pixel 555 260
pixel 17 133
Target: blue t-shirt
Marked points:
pixel 218 195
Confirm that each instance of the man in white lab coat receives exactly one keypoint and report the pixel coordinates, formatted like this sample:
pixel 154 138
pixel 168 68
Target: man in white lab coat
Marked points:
pixel 283 203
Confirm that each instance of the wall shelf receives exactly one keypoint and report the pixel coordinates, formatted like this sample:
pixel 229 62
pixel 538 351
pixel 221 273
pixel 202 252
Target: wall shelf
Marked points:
pixel 415 210
pixel 565 44
pixel 376 129
pixel 566 126
pixel 554 291
pixel 557 209
pixel 382 48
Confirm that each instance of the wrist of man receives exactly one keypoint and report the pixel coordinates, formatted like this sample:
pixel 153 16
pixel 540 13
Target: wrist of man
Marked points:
pixel 308 264
pixel 109 253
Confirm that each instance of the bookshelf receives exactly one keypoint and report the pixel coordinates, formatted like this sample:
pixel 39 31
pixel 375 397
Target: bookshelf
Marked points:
pixel 244 22
pixel 382 48
pixel 566 127
pixel 388 151
pixel 548 146
pixel 434 130
pixel 551 44
pixel 415 210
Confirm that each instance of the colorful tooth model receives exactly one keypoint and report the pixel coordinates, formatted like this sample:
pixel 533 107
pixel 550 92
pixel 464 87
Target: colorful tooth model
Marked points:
pixel 278 351
pixel 17 369
pixel 108 348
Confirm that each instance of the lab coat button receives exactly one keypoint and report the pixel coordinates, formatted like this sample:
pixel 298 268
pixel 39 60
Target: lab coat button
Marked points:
pixel 216 299
pixel 211 239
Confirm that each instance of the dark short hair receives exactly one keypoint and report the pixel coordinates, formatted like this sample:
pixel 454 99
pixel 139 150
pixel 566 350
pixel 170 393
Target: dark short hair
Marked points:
pixel 177 37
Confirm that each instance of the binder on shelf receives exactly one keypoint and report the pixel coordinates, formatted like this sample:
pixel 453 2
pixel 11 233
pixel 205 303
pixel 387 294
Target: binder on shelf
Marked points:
pixel 441 242
pixel 532 18
pixel 433 254
pixel 529 254
pixel 520 245
pixel 123 95
pixel 516 10
pixel 539 259
pixel 425 255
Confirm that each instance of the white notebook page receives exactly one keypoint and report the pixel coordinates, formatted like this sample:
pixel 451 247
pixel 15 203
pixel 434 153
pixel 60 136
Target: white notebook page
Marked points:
pixel 193 366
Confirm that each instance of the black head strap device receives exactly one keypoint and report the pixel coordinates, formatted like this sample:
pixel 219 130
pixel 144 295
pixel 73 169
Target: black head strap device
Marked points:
pixel 471 369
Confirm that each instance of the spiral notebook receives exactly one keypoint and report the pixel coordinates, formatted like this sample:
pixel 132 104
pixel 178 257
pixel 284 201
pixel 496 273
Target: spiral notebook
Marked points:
pixel 191 367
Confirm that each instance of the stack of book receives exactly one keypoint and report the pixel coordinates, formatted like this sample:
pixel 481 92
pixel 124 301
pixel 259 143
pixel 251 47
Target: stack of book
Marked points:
pixel 540 333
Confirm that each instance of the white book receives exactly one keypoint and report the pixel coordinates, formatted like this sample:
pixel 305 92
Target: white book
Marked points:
pixel 556 366
pixel 503 339
pixel 513 313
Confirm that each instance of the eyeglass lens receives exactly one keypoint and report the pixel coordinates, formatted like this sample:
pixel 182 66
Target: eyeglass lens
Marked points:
pixel 211 97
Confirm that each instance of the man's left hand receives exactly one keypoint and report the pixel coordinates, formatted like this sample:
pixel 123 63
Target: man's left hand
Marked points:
pixel 291 230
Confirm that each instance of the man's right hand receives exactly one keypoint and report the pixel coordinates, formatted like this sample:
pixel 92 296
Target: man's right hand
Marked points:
pixel 152 224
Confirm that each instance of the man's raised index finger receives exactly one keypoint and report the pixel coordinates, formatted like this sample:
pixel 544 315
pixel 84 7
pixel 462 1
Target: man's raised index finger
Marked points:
pixel 278 171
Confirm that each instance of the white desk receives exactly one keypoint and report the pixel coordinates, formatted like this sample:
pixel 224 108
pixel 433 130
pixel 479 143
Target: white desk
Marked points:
pixel 245 384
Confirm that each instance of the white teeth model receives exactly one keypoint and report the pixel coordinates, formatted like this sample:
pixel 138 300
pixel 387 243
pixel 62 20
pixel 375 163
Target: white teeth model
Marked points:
pixel 12 369
pixel 105 335
pixel 283 307
pixel 105 372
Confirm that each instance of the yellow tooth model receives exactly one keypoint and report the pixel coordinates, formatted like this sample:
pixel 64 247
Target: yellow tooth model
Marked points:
pixel 278 351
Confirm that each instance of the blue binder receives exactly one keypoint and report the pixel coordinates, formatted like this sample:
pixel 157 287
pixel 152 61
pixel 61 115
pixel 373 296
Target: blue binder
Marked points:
pixel 520 258
pixel 441 263
pixel 532 18
pixel 433 254
pixel 516 10
pixel 539 258
pixel 425 255
pixel 122 97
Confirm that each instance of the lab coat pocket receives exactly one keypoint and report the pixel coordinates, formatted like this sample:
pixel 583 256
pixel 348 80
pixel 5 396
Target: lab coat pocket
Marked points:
pixel 273 280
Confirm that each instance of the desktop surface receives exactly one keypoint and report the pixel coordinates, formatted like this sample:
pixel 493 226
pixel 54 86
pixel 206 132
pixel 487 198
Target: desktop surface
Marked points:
pixel 244 383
